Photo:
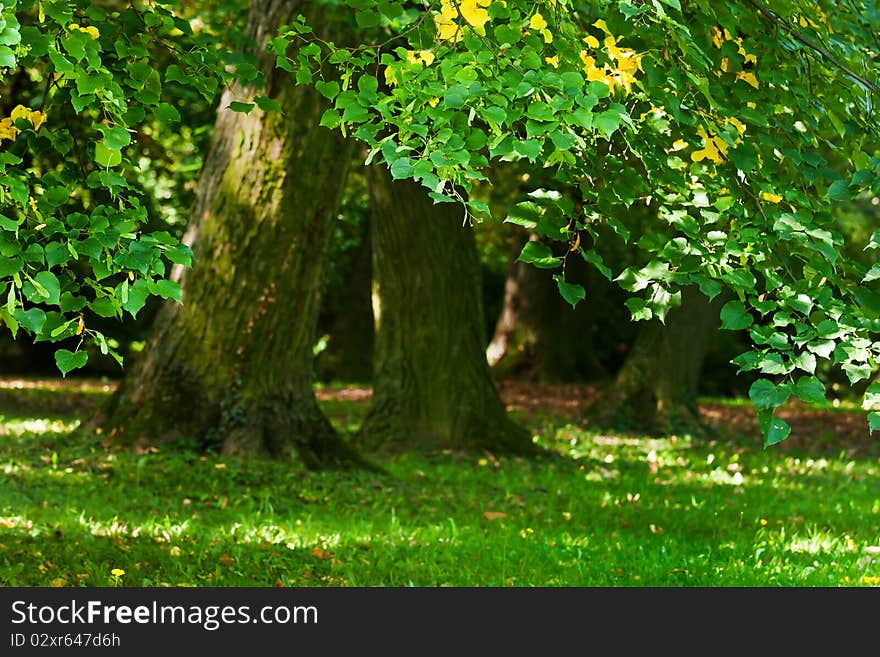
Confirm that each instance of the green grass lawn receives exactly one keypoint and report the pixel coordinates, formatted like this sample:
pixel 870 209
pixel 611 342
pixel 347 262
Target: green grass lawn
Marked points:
pixel 601 510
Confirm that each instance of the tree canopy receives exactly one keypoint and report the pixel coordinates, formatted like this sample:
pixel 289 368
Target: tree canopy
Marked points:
pixel 739 125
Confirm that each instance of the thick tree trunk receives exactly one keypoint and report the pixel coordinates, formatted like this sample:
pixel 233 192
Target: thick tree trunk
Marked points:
pixel 539 336
pixel 232 365
pixel 432 386
pixel 656 388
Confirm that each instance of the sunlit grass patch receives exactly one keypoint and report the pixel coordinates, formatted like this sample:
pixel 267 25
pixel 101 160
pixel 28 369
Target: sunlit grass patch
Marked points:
pixel 603 509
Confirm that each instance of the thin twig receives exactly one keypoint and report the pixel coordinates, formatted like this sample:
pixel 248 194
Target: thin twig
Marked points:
pixel 771 15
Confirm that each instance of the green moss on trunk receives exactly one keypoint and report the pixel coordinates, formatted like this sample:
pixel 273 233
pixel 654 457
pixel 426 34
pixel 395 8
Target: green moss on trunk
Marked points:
pixel 233 365
pixel 432 386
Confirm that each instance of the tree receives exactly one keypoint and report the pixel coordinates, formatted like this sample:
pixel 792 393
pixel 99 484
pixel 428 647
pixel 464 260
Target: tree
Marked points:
pixel 432 388
pixel 234 363
pixel 540 336
pixel 740 123
pixel 656 388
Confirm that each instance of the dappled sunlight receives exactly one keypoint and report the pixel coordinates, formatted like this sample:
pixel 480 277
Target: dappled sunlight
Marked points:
pixel 67 385
pixel 610 510
pixel 35 426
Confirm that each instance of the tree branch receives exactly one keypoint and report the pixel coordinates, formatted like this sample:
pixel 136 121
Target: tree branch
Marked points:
pixel 772 16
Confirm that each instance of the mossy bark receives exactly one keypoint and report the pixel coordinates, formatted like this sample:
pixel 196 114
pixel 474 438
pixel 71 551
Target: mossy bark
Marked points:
pixel 432 387
pixel 656 388
pixel 232 365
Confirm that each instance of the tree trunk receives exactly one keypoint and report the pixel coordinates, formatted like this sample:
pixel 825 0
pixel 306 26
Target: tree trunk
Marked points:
pixel 656 388
pixel 539 336
pixel 233 365
pixel 349 353
pixel 431 383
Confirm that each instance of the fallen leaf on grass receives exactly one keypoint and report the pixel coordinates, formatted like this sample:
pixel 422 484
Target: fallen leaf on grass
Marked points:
pixel 494 515
pixel 58 583
pixel 226 560
pixel 321 553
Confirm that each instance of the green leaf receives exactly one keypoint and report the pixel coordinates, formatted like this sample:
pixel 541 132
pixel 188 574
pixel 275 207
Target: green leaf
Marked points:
pixel 402 168
pixel 572 293
pixel 873 421
pixel 530 148
pixel 810 389
pixel 68 360
pixel 105 156
pixel 237 106
pixel 31 319
pixel 167 113
pixel 607 122
pixel 137 297
pixel 52 288
pixel 838 191
pixel 775 429
pixel 734 316
pixel 168 289
pixel 328 89
pixel 539 254
pixel 7 57
pixel 766 394
pixel 525 214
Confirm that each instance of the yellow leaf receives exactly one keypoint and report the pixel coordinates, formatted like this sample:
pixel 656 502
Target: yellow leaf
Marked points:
pixel 589 62
pixel 739 125
pixel 553 61
pixel 749 77
pixel 20 112
pixel 591 41
pixel 447 28
pixel 602 26
pixel 37 118
pixel 714 149
pixel 679 144
pixel 425 57
pixel 772 198
pixel 58 583
pixel 7 130
pixel 537 22
pixel 390 76
pixel 494 515
pixel 474 12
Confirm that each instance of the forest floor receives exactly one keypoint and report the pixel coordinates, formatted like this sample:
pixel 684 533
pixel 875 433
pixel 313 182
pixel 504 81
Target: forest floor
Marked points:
pixel 609 508
pixel 830 428
pixel 841 427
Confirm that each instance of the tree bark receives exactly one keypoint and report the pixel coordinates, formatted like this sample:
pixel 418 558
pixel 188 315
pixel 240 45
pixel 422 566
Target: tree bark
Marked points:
pixel 431 383
pixel 233 365
pixel 656 388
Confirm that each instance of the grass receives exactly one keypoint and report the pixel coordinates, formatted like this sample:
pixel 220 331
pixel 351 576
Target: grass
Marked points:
pixel 603 510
